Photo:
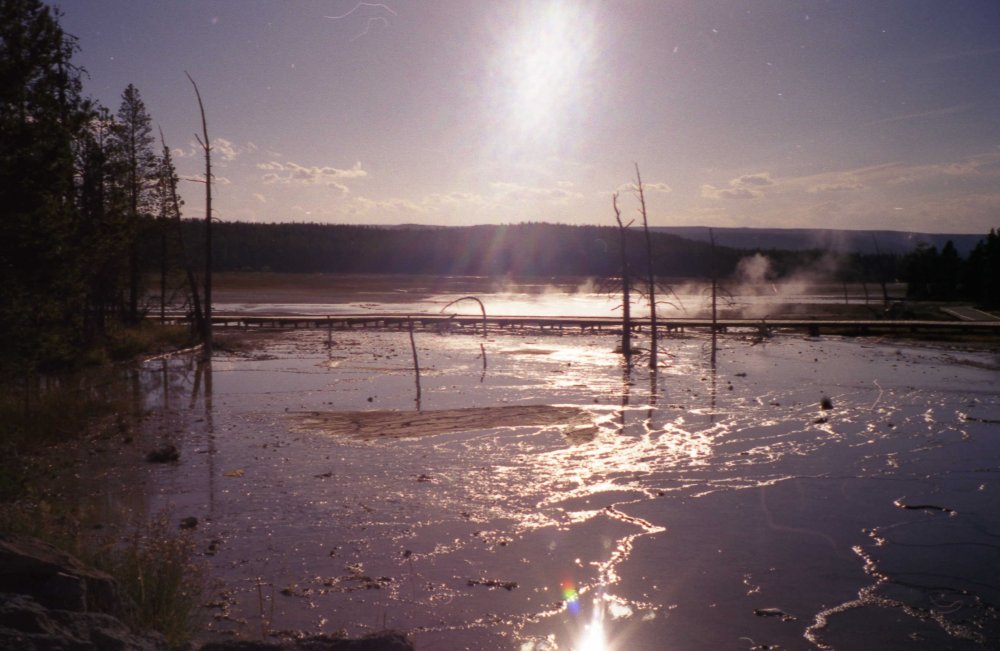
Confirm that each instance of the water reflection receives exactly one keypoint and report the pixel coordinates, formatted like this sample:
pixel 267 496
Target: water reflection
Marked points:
pixel 640 533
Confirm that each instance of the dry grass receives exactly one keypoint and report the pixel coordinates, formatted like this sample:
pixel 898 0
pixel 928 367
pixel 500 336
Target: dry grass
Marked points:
pixel 154 566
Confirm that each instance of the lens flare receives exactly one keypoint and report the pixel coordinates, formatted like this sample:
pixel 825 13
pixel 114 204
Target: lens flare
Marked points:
pixel 571 597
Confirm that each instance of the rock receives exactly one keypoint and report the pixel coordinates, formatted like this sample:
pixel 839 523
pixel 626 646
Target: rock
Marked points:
pixel 826 404
pixel 385 641
pixel 774 612
pixel 189 522
pixel 50 600
pixel 164 454
pixel 26 625
pixel 54 578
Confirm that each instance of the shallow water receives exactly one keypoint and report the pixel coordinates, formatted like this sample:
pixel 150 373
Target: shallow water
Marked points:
pixel 345 294
pixel 699 508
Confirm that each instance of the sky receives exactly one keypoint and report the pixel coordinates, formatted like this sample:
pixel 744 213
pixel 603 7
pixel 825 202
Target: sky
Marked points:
pixel 853 114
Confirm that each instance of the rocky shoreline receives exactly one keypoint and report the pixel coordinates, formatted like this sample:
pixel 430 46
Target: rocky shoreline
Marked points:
pixel 50 601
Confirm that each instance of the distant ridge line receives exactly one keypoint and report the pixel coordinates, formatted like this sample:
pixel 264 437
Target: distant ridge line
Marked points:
pixel 827 239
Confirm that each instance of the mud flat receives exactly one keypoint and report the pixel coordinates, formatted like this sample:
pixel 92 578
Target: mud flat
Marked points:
pixel 802 493
pixel 399 424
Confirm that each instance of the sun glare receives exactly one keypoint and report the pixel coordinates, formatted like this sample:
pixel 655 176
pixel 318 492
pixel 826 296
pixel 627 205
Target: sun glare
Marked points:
pixel 544 66
pixel 593 638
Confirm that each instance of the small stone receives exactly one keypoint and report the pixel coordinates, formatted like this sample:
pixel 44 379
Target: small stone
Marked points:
pixel 166 453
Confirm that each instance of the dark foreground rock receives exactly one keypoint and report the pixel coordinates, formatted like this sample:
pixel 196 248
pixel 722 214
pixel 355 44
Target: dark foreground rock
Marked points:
pixel 54 578
pixel 26 625
pixel 50 601
pixel 389 641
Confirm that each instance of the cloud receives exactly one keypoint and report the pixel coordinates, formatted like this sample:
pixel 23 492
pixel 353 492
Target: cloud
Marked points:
pixel 748 186
pixel 904 117
pixel 761 180
pixel 453 199
pixel 259 197
pixel 295 174
pixel 660 187
pixel 657 187
pixel 845 186
pixel 365 204
pixel 228 151
pixel 514 192
pixel 712 192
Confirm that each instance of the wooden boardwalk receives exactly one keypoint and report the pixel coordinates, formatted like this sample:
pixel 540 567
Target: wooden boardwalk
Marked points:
pixel 474 323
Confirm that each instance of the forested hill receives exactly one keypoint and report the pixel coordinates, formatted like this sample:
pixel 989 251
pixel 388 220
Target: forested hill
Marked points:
pixel 826 239
pixel 531 249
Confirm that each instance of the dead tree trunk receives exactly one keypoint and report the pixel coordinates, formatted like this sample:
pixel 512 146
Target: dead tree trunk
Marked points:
pixel 650 277
pixel 416 361
pixel 175 209
pixel 206 331
pixel 626 286
pixel 715 295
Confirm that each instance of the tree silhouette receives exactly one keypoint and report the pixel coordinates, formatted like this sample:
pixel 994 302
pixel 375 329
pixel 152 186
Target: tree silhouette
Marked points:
pixel 134 136
pixel 41 113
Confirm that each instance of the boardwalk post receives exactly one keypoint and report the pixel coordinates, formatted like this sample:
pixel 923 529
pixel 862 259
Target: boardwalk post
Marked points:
pixel 416 362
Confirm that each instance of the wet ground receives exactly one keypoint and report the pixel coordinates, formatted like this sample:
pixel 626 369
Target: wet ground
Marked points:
pixel 554 500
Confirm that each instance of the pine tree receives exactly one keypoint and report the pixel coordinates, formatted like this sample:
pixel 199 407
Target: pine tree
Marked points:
pixel 41 113
pixel 103 206
pixel 134 137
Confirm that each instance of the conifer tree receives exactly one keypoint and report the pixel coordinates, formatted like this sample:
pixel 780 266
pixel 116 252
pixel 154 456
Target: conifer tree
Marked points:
pixel 41 113
pixel 134 137
pixel 103 205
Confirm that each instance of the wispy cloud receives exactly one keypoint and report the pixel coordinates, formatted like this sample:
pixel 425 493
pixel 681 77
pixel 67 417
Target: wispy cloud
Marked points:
pixel 295 174
pixel 747 186
pixel 505 191
pixel 453 199
pixel 838 186
pixel 364 204
pixel 659 187
pixel 229 151
pixel 919 115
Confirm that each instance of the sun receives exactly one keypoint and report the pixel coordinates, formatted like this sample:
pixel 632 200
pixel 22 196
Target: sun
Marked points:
pixel 544 61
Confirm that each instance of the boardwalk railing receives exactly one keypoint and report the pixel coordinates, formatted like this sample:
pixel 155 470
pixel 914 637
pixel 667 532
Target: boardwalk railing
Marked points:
pixel 596 324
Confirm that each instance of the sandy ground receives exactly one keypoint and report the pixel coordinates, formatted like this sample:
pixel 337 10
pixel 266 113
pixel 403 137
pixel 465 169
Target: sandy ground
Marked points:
pixel 400 424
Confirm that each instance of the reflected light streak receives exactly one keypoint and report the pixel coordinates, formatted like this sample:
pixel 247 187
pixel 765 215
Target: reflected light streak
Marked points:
pixel 594 638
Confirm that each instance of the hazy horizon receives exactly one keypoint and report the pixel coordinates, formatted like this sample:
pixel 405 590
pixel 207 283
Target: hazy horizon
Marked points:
pixel 852 115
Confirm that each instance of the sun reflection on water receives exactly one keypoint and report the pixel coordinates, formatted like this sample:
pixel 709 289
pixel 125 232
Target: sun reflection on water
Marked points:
pixel 593 637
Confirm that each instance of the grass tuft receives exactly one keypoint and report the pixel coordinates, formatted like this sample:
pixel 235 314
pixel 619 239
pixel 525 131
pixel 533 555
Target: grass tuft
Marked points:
pixel 154 566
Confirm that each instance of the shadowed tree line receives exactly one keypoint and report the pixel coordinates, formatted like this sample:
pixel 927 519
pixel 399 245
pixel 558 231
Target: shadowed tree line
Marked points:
pixel 543 249
pixel 79 187
pixel 519 250
pixel 944 275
